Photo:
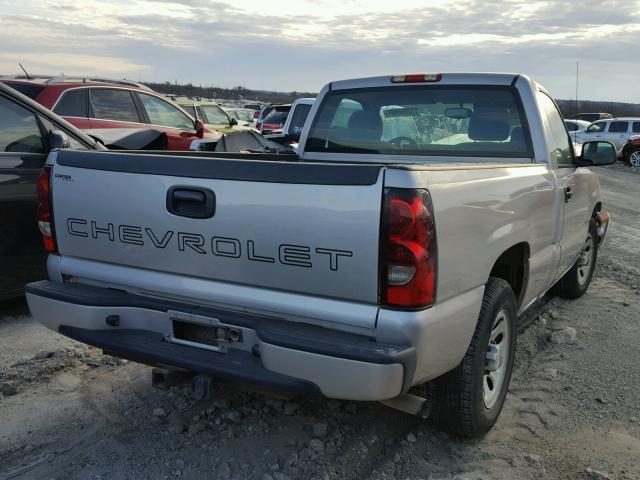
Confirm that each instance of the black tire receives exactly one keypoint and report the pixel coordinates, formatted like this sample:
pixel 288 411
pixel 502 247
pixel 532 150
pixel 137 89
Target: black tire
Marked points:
pixel 574 284
pixel 458 396
pixel 627 157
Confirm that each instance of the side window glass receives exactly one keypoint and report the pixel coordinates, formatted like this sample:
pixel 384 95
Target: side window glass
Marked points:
pixel 19 131
pixel 76 144
pixel 618 127
pixel 215 115
pixel 112 104
pixel 72 104
pixel 190 109
pixel 163 113
pixel 597 127
pixel 200 114
pixel 636 127
pixel 559 138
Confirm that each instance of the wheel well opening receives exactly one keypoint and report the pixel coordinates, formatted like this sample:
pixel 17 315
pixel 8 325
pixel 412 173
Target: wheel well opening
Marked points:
pixel 512 266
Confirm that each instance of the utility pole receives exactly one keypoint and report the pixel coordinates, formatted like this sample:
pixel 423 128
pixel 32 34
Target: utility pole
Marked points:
pixel 577 75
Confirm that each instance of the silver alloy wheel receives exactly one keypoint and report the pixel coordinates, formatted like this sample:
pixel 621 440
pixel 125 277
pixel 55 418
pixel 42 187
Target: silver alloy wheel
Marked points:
pixel 634 158
pixel 584 261
pixel 497 359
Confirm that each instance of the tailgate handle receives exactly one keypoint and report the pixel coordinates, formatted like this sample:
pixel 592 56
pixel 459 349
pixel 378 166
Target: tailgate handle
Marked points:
pixel 191 202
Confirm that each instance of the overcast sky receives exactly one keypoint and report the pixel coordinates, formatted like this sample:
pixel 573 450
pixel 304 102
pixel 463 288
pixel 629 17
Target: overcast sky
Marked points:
pixel 300 45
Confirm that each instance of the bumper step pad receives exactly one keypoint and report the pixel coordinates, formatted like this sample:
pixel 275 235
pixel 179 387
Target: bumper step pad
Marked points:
pixel 148 347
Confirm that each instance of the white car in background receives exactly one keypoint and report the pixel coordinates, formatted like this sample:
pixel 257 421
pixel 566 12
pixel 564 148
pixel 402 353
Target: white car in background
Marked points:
pixel 576 125
pixel 293 126
pixel 614 130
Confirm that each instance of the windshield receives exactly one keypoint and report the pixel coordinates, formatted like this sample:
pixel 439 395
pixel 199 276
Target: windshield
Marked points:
pixel 473 121
pixel 246 115
pixel 215 115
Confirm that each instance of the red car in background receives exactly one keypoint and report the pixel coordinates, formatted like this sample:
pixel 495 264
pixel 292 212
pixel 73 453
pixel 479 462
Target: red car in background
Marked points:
pixel 631 151
pixel 96 103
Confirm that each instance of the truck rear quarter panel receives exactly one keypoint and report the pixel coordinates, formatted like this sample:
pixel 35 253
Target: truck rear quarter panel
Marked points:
pixel 480 212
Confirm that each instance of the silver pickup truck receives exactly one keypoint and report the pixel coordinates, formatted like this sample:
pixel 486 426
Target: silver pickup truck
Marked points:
pixel 421 217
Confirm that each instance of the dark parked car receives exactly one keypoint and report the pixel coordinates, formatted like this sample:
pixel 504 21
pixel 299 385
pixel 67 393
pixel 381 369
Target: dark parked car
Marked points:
pixel 28 132
pixel 631 151
pixel 272 118
pixel 99 103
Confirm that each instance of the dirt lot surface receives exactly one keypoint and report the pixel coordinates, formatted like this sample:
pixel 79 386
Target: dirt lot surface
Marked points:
pixel 573 412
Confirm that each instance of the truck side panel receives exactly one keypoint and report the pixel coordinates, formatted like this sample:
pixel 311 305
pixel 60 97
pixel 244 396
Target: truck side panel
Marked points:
pixel 481 212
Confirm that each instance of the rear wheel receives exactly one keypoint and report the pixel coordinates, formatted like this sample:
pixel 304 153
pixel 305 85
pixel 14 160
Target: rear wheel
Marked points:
pixel 576 281
pixel 633 158
pixel 468 400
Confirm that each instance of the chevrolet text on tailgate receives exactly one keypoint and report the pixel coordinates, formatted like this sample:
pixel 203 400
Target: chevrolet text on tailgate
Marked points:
pixel 421 217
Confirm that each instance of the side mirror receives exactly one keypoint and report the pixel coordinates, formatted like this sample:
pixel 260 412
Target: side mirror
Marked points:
pixel 199 128
pixel 596 154
pixel 58 139
pixel 233 122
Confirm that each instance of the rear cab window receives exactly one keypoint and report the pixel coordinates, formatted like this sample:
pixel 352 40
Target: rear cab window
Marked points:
pixel 461 121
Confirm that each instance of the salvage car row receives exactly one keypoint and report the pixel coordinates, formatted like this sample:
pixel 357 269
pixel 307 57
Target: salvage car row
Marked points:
pixel 93 103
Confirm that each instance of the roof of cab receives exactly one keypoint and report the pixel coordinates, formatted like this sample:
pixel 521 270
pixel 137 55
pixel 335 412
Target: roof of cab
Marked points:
pixel 447 79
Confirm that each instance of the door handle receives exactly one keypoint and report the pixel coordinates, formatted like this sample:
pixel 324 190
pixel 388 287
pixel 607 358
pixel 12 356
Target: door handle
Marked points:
pixel 567 194
pixel 191 202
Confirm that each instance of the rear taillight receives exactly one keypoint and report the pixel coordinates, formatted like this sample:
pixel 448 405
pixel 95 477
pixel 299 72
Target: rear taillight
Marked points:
pixel 408 254
pixel 256 114
pixel 45 209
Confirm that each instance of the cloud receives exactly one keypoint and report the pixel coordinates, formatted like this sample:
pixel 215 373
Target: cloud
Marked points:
pixel 39 63
pixel 300 45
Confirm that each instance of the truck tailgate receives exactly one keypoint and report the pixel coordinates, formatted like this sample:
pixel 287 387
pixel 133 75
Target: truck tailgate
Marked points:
pixel 297 227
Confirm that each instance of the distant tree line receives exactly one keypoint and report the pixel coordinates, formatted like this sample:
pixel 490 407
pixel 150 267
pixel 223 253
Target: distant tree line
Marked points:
pixel 617 109
pixel 568 107
pixel 235 93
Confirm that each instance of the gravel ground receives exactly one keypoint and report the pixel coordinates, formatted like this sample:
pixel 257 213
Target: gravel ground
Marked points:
pixel 573 412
